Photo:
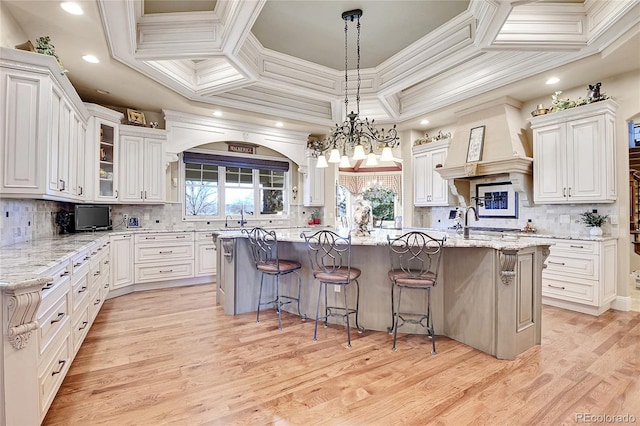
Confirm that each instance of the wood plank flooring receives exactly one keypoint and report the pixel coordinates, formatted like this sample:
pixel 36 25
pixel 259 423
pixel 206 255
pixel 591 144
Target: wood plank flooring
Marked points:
pixel 171 357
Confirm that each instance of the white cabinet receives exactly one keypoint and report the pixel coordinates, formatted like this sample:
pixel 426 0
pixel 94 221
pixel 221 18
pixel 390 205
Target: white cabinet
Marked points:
pixel 580 274
pixel 205 254
pixel 429 188
pixel 121 260
pixel 103 154
pixel 142 161
pixel 313 188
pixel 43 127
pixel 574 158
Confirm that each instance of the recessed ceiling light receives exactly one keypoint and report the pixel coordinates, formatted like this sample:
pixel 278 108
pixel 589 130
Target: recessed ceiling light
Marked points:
pixel 423 122
pixel 103 92
pixel 91 58
pixel 217 113
pixel 552 80
pixel 71 7
pixel 279 124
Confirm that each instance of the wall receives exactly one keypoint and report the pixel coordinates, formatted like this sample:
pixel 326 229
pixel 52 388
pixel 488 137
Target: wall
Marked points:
pixel 11 34
pixel 24 220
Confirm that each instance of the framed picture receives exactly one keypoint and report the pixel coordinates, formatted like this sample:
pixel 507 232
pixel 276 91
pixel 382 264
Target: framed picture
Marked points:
pixel 136 117
pixel 476 140
pixel 133 222
pixel 497 200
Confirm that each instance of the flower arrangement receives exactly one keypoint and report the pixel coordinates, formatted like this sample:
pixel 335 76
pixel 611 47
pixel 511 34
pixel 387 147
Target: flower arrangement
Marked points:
pixel 593 219
pixel 44 46
pixel 593 95
pixel 428 139
pixel 315 144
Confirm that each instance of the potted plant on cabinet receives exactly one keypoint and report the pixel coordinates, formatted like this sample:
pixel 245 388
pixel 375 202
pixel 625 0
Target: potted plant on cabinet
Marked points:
pixel 315 215
pixel 595 221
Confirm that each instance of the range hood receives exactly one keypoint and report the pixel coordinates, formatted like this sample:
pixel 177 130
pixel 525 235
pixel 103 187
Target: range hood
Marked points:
pixel 506 154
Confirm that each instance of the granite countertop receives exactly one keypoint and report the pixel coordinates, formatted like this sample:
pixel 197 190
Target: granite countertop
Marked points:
pixel 22 263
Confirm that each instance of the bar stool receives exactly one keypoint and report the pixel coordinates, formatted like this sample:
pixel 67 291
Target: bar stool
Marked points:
pixel 330 260
pixel 415 259
pixel 264 248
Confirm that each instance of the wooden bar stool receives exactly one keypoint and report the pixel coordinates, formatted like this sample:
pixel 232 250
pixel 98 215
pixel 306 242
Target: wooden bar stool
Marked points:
pixel 264 248
pixel 415 259
pixel 330 260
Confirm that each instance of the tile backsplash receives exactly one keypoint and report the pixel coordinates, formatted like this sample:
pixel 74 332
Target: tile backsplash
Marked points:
pixel 24 220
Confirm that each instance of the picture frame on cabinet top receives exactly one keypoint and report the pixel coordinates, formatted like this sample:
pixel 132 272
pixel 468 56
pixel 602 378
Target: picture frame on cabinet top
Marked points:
pixel 476 142
pixel 136 118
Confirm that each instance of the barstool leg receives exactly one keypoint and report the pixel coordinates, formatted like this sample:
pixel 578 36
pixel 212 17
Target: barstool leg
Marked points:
pixel 326 306
pixel 260 296
pixel 315 331
pixel 304 317
pixel 430 322
pixel 360 329
pixel 397 314
pixel 346 310
pixel 278 303
pixel 390 328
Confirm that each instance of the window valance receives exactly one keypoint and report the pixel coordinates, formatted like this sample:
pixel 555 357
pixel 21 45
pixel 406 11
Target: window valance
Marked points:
pixel 232 161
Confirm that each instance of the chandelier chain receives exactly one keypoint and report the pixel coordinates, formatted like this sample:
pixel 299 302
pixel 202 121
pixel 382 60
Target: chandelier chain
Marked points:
pixel 346 67
pixel 358 69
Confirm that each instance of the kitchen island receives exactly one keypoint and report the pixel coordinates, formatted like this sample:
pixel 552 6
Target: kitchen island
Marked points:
pixel 488 294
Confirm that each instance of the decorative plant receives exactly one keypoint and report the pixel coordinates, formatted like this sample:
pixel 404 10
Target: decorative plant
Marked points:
pixel 315 214
pixel 45 47
pixel 593 219
pixel 593 95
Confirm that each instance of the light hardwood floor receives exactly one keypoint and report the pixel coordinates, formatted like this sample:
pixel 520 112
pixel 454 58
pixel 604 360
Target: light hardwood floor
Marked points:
pixel 172 357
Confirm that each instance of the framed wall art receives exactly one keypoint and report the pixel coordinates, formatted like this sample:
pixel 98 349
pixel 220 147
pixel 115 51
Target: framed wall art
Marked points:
pixel 135 117
pixel 476 140
pixel 497 200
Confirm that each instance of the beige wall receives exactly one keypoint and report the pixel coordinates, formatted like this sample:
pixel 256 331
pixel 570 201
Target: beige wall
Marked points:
pixel 10 33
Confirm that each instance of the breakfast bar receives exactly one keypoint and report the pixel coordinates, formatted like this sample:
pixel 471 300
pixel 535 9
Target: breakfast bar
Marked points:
pixel 488 295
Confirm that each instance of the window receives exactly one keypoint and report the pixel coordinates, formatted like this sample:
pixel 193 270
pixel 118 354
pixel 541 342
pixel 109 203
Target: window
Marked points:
pixel 201 190
pixel 217 186
pixel 382 203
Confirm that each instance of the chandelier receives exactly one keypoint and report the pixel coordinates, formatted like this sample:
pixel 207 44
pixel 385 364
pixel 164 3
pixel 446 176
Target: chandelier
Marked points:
pixel 356 137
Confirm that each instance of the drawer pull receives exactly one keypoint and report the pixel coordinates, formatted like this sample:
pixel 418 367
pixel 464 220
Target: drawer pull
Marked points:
pixel 59 318
pixel 557 263
pixel 181 236
pixel 83 326
pixel 126 236
pixel 106 262
pixel 170 270
pixel 93 253
pixel 209 248
pixel 556 286
pixel 97 302
pixel 61 363
pixel 574 246
pixel 99 248
pixel 96 274
pixel 64 274
pixel 106 285
pixel 75 265
pixel 82 289
pixel 166 252
pixel 149 238
pixel 49 286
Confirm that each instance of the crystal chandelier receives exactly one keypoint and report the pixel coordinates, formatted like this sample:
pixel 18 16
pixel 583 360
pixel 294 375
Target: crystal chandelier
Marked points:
pixel 355 137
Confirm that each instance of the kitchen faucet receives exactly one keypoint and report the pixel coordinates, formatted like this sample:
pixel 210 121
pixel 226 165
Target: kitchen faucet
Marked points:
pixel 466 220
pixel 226 221
pixel 242 221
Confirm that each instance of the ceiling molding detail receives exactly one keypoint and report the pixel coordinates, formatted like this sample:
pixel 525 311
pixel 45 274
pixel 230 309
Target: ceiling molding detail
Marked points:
pixel 212 57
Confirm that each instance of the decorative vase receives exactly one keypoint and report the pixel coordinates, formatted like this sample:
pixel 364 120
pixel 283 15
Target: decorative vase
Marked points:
pixel 316 220
pixel 595 231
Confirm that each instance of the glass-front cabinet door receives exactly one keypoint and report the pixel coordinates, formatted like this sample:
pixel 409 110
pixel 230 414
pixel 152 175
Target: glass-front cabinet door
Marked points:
pixel 107 155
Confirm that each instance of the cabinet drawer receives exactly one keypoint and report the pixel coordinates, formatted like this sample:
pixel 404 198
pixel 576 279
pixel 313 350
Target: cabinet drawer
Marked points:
pixel 52 374
pixel 164 237
pixel 95 303
pixel 205 259
pixel 79 292
pixel 79 328
pixel 580 291
pixel 155 253
pixel 163 271
pixel 53 291
pixel 205 236
pixel 53 321
pixel 80 261
pixel 565 266
pixel 573 247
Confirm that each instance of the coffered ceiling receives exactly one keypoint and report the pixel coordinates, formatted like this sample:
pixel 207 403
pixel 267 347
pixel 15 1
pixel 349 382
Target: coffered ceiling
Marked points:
pixel 278 59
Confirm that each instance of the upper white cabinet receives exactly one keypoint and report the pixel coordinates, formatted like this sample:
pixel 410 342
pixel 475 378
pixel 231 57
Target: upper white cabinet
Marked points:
pixel 574 158
pixel 429 189
pixel 43 127
pixel 142 165
pixel 103 155
pixel 313 190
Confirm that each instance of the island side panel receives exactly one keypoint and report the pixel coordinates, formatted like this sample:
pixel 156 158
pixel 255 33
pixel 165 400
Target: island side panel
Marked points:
pixel 469 284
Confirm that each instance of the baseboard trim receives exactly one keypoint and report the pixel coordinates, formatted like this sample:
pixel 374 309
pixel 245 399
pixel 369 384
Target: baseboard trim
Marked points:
pixel 621 303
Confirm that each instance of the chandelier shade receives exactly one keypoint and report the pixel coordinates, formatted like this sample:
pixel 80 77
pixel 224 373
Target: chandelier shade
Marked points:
pixel 355 136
